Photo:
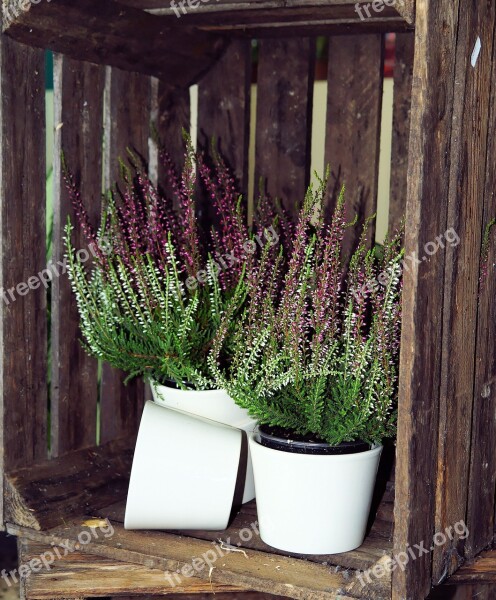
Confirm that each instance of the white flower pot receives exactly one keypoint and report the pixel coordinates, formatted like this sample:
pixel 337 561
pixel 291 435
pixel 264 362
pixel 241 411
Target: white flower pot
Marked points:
pixel 184 472
pixel 216 405
pixel 313 504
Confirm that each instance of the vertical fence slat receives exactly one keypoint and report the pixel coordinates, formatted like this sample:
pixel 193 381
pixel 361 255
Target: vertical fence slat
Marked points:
pixel 224 110
pixel 23 328
pixel 127 124
pixel 481 490
pixel 481 499
pixel 286 71
pixel 421 345
pixel 354 108
pixel 403 73
pixel 173 114
pixel 78 90
pixel 465 216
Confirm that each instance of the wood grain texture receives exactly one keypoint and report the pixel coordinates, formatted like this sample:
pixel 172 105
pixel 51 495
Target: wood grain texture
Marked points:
pixel 86 576
pixel 61 493
pixel 374 547
pixel 79 135
pixel 464 592
pixel 423 292
pixel 242 16
pixel 48 493
pixel 172 115
pixel 480 571
pixel 354 108
pixel 23 325
pixel 224 109
pixel 481 491
pixel 259 571
pixel 126 125
pixel 467 187
pixel 109 33
pixel 403 74
pixel 284 118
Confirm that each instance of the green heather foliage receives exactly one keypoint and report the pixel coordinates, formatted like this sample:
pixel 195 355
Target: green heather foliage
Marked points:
pixel 156 293
pixel 315 350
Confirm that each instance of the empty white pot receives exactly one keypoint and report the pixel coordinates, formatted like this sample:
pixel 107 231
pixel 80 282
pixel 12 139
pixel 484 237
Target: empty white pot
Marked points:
pixel 313 504
pixel 184 472
pixel 216 405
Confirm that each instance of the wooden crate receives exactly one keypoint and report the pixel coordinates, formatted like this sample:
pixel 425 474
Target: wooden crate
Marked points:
pixel 139 66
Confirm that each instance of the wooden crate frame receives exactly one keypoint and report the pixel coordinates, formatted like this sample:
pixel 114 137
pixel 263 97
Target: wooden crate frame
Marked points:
pixel 442 175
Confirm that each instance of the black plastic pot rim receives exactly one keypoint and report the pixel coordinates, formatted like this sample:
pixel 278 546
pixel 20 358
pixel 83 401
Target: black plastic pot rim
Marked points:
pixel 295 446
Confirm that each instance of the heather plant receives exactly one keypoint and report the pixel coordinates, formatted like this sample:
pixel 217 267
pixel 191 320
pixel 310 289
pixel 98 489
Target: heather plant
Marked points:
pixel 315 351
pixel 156 294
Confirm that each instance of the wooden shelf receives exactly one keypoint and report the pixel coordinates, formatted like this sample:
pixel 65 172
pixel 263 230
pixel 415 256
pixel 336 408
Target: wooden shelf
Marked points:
pixel 80 575
pixel 180 50
pixel 49 503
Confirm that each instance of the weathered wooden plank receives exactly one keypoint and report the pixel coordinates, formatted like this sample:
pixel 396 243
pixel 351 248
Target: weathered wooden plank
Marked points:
pixel 259 571
pixel 284 118
pixel 106 32
pixel 79 135
pixel 23 325
pixel 428 178
pixel 465 215
pixel 354 108
pixel 480 571
pixel 127 125
pixel 481 490
pixel 224 109
pixel 403 74
pixel 86 576
pixel 49 493
pixel 171 113
pixel 272 15
pixel 406 9
pixel 245 525
pixel 464 592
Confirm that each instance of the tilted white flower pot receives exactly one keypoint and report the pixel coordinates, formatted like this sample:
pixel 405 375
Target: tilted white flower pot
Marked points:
pixel 184 472
pixel 313 504
pixel 216 405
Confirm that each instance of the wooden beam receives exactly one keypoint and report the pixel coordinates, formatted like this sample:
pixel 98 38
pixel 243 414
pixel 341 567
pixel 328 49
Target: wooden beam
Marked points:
pixel 273 13
pixel 469 164
pixel 79 575
pixel 353 127
pixel 284 119
pixel 224 109
pixel 481 492
pixel 403 75
pixel 106 32
pixel 127 117
pixel 423 293
pixel 23 324
pixel 79 135
pixel 49 493
pixel 251 569
pixel 480 571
